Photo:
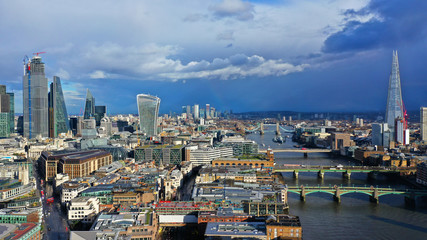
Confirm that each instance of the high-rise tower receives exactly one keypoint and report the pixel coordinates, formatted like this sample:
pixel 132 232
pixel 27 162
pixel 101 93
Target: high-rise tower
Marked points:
pixel 35 103
pixel 58 116
pixel 395 107
pixel 89 106
pixel 148 110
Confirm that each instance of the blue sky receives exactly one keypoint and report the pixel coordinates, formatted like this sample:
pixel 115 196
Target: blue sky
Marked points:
pixel 299 55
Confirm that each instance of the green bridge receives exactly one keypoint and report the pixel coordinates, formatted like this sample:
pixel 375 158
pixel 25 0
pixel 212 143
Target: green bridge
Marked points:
pixel 345 170
pixel 337 191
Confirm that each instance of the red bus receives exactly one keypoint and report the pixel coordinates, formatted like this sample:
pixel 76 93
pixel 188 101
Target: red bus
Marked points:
pixel 49 200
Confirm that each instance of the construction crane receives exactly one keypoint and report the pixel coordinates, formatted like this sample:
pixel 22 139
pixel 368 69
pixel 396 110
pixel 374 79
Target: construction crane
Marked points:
pixel 37 53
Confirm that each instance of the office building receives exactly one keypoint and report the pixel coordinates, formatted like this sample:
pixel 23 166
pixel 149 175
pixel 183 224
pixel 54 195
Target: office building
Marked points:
pixel 188 111
pixel 84 209
pixel 89 106
pixel 75 164
pixel 5 112
pixel 11 111
pixel 148 111
pixel 35 103
pixel 423 121
pixel 196 111
pixel 58 116
pixel 395 106
pixel 100 112
pixel 208 111
pixel 380 134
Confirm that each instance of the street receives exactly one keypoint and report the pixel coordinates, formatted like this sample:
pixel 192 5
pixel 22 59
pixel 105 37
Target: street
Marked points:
pixel 53 218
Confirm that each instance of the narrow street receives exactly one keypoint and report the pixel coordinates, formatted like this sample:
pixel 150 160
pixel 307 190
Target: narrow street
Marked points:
pixel 55 221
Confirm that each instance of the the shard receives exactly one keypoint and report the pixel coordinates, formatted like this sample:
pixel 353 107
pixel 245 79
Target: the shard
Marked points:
pixel 394 99
pixel 89 106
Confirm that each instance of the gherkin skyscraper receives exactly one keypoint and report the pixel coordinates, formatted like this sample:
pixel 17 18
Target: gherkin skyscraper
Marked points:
pixel 395 105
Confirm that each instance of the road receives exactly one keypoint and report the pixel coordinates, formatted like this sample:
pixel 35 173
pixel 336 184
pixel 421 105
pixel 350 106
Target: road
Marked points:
pixel 53 218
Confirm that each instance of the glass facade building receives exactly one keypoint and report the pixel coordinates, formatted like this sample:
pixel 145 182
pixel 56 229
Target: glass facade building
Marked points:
pixel 100 112
pixel 58 116
pixel 89 106
pixel 148 111
pixel 35 103
pixel 394 98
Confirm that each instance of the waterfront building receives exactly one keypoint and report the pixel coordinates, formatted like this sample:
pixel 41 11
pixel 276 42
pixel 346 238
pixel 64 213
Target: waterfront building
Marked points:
pixel 239 230
pixel 380 134
pixel 340 140
pixel 395 105
pixel 422 173
pixel 423 121
pixel 148 111
pixel 58 116
pixel 35 102
pixel 204 156
pixel 268 162
pixel 89 105
pixel 284 227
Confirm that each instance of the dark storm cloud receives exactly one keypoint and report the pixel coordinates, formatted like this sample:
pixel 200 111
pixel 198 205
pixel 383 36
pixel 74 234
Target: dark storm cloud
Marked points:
pixel 396 23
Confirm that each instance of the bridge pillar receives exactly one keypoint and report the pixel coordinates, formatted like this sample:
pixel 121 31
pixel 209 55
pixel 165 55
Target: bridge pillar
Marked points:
pixel 321 174
pixel 295 174
pixel 374 198
pixel 346 174
pixel 302 195
pixel 410 200
pixel 337 196
pixel 306 154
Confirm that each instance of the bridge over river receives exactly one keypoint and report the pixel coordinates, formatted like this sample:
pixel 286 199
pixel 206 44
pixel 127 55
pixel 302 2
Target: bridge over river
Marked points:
pixel 337 191
pixel 306 151
pixel 345 170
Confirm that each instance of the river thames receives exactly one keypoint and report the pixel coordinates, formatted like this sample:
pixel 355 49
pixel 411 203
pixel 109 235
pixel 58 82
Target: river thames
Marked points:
pixel 355 217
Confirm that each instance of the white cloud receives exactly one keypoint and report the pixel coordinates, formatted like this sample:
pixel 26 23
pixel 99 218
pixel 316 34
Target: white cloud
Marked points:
pixel 238 9
pixel 98 75
pixel 154 62
pixel 62 74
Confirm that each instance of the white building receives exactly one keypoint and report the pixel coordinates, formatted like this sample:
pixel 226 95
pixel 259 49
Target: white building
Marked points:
pixel 84 209
pixel 204 156
pixel 71 191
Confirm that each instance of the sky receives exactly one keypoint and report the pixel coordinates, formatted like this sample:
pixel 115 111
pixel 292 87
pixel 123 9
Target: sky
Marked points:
pixel 270 55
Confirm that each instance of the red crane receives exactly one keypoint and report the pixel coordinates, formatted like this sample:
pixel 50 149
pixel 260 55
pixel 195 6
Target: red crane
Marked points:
pixel 37 53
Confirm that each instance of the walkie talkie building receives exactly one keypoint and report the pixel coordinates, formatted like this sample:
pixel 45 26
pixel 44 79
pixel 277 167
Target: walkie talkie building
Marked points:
pixel 148 110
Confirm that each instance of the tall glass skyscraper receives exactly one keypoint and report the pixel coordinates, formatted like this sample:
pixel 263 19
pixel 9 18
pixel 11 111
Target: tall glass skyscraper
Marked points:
pixel 35 99
pixel 394 99
pixel 148 110
pixel 89 106
pixel 58 116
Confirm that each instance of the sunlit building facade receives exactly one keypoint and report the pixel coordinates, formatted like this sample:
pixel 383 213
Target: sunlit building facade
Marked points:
pixel 35 99
pixel 148 111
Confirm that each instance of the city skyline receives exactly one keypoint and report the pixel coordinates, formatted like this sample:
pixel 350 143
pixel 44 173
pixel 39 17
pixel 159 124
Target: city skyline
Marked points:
pixel 210 53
